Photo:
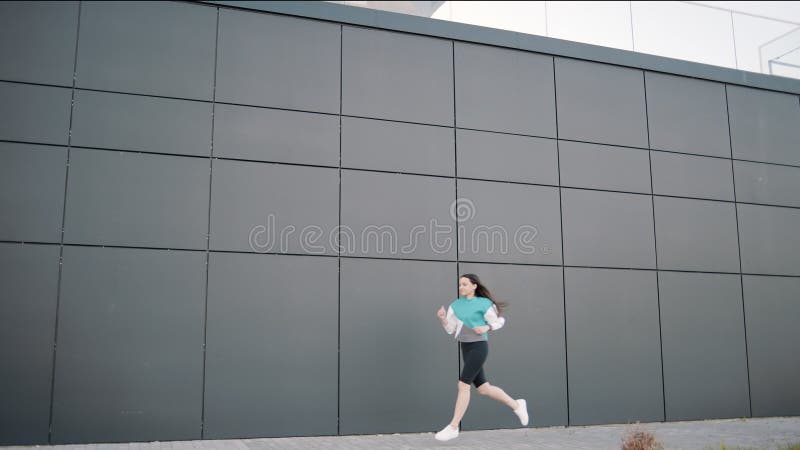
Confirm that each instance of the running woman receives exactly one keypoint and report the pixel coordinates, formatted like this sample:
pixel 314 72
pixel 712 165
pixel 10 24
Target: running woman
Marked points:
pixel 471 317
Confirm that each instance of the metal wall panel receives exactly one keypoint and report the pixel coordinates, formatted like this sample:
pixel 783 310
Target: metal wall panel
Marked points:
pixel 38 114
pixel 129 363
pixel 523 228
pixel 397 147
pixel 773 311
pixel 257 207
pixel 604 167
pixel 121 198
pixel 768 238
pixel 600 103
pixel 687 115
pixel 705 359
pixel 692 176
pixel 397 216
pixel 134 122
pixel 276 135
pixel 696 235
pixel 768 184
pixel 38 40
pixel 398 369
pixel 271 346
pixel 29 276
pixel 397 76
pixel 494 156
pixel 613 346
pixel 147 48
pixel 764 125
pixel 306 75
pixel 31 192
pixel 608 229
pixel 504 90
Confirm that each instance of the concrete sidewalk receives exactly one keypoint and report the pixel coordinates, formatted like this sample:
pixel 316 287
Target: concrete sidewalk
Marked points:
pixel 734 433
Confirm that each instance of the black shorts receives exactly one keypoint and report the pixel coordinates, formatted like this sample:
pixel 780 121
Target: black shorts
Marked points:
pixel 473 354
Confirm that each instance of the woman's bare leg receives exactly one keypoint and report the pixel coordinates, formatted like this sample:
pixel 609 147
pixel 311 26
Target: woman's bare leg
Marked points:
pixel 498 394
pixel 462 401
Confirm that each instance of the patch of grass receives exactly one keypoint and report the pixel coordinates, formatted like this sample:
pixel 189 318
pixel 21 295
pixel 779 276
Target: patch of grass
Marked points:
pixel 640 439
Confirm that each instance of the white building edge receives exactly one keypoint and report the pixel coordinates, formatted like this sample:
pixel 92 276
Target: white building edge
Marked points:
pixel 754 36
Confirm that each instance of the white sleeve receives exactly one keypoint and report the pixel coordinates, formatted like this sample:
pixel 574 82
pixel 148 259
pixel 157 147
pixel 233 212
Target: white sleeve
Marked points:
pixel 493 320
pixel 450 326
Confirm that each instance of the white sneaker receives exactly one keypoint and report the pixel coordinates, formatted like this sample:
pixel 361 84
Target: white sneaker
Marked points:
pixel 522 411
pixel 446 434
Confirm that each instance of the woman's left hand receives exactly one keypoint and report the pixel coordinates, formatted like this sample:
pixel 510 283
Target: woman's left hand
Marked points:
pixel 482 329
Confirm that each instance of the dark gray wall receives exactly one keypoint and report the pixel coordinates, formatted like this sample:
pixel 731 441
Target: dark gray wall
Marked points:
pixel 148 150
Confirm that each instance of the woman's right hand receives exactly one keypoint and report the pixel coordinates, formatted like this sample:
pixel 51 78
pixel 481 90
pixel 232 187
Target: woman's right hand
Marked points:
pixel 441 314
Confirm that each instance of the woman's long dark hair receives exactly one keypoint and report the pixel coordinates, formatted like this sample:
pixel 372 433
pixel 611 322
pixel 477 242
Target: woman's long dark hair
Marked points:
pixel 483 291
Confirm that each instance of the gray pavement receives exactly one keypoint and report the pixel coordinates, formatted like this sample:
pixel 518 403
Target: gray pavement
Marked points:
pixel 758 433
